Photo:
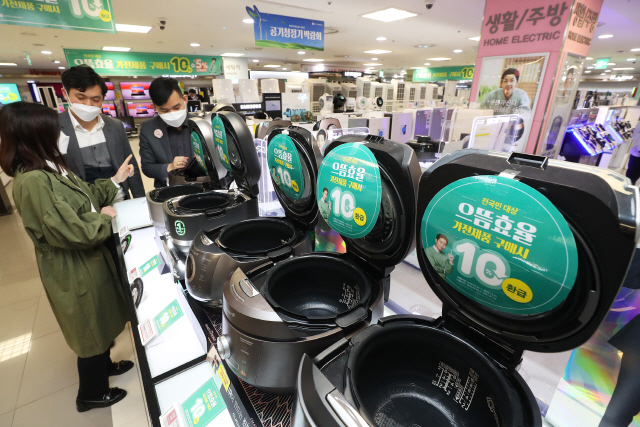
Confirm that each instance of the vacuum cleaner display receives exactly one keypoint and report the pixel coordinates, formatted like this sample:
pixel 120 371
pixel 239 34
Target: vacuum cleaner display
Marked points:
pixel 185 216
pixel 280 311
pixel 504 243
pixel 216 254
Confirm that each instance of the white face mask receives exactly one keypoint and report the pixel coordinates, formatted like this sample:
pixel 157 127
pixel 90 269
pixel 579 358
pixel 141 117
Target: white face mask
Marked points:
pixel 175 118
pixel 84 112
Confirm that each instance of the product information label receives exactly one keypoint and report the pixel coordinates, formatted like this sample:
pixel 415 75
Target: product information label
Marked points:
pixel 220 142
pixel 168 316
pixel 150 265
pixel 349 190
pixel 203 405
pixel 147 331
pixel 500 243
pixel 284 166
pixel 198 151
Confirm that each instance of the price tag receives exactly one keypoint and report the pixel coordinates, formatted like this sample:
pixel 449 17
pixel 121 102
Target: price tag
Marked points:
pixel 147 331
pixel 500 243
pixel 198 151
pixel 133 274
pixel 173 417
pixel 349 190
pixel 284 166
pixel 203 405
pixel 123 231
pixel 168 317
pixel 220 142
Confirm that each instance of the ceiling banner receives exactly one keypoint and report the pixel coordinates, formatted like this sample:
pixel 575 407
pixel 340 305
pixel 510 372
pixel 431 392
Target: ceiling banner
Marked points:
pixel 443 73
pixel 144 64
pixel 83 15
pixel 286 32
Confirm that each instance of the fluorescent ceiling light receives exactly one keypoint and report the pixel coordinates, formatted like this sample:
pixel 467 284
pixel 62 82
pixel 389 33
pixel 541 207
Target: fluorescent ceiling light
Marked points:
pixel 272 66
pixel 313 60
pixel 374 59
pixel 235 55
pixel 46 52
pixel 194 44
pixel 61 68
pixel 588 58
pixel 377 51
pixel 605 36
pixel 381 39
pixel 116 49
pixel 589 68
pixel 256 60
pixel 8 64
pixel 607 71
pixel 302 52
pixel 132 28
pixel 56 62
pixel 248 21
pixel 439 59
pixel 588 71
pixel 284 68
pixel 636 49
pixel 427 63
pixel 622 69
pixel 610 64
pixel 457 51
pixel 475 39
pixel 603 74
pixel 631 59
pixel 389 15
pixel 373 64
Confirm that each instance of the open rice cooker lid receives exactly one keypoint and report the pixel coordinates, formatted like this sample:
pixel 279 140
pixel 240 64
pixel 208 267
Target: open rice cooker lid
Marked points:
pixel 162 194
pixel 366 191
pixel 211 203
pixel 513 245
pixel 293 170
pixel 203 150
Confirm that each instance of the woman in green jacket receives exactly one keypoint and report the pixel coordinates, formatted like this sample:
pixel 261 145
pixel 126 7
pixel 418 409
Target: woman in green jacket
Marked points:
pixel 69 222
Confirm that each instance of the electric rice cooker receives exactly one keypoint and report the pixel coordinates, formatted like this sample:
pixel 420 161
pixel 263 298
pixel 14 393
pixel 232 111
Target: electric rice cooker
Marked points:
pixel 279 311
pixel 216 254
pixel 512 244
pixel 185 216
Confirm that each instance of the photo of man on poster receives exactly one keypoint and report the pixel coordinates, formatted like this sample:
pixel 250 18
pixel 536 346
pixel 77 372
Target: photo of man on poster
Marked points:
pixel 509 99
pixel 442 262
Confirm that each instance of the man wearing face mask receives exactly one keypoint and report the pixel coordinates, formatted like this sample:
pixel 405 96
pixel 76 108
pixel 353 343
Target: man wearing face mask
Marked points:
pixel 165 143
pixel 93 144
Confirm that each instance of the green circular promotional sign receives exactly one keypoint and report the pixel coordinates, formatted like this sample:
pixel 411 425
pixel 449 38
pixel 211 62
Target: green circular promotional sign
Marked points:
pixel 284 166
pixel 196 144
pixel 220 142
pixel 500 243
pixel 349 190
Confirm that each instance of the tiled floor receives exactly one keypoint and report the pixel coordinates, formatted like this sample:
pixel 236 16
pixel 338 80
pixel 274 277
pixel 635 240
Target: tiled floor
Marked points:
pixel 38 373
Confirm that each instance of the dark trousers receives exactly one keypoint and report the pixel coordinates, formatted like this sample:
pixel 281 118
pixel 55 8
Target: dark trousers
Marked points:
pixel 625 401
pixel 94 375
pixel 633 169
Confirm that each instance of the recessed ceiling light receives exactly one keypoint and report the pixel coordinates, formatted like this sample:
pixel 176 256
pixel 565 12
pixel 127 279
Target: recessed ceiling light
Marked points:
pixel 233 54
pixel 377 51
pixel 381 39
pixel 475 39
pixel 248 21
pixel 439 59
pixel 605 36
pixel 132 28
pixel 589 58
pixel 427 63
pixel 631 59
pixel 46 52
pixel 313 60
pixel 623 69
pixel 284 68
pixel 372 64
pixel 589 68
pixel 421 46
pixel 8 64
pixel 636 49
pixel 272 66
pixel 588 71
pixel 389 15
pixel 256 60
pixel 457 51
pixel 374 59
pixel 607 71
pixel 56 62
pixel 61 68
pixel 194 44
pixel 302 52
pixel 116 49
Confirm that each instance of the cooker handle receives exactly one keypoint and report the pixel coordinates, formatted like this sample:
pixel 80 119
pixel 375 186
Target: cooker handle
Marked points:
pixel 351 318
pixel 279 254
pixel 214 213
pixel 345 411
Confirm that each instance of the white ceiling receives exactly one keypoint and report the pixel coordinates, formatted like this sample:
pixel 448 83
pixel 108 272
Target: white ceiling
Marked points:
pixel 218 27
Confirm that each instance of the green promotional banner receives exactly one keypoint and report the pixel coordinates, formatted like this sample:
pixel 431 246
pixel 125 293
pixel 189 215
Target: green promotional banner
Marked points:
pixel 349 190
pixel 220 142
pixel 83 15
pixel 443 73
pixel 9 93
pixel 284 166
pixel 500 243
pixel 198 151
pixel 144 64
pixel 149 265
pixel 203 405
pixel 168 316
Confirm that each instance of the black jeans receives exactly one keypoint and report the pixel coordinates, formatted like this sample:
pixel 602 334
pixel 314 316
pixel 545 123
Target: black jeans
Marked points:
pixel 94 375
pixel 633 169
pixel 625 401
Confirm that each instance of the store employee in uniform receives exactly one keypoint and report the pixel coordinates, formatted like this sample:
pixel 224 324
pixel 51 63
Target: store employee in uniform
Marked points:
pixel 165 143
pixel 94 145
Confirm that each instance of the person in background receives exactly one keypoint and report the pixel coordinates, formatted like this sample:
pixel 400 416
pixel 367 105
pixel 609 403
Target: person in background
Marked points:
pixel 165 143
pixel 195 96
pixel 633 168
pixel 93 144
pixel 69 222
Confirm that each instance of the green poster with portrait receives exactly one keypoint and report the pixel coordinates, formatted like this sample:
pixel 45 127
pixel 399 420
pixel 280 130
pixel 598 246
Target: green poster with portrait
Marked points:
pixel 500 243
pixel 220 142
pixel 284 166
pixel 198 151
pixel 349 190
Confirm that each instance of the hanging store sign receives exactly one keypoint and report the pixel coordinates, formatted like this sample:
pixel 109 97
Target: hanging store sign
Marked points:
pixel 601 64
pixel 83 15
pixel 443 73
pixel 143 64
pixel 286 32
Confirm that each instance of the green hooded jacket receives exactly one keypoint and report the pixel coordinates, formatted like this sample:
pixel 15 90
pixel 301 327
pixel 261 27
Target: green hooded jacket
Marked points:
pixel 76 267
pixel 439 261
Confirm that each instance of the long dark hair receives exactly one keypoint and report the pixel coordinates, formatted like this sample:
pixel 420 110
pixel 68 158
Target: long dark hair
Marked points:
pixel 29 135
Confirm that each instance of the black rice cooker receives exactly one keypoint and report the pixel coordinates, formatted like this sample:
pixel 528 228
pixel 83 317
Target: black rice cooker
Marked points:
pixel 233 144
pixel 280 311
pixel 461 369
pixel 216 254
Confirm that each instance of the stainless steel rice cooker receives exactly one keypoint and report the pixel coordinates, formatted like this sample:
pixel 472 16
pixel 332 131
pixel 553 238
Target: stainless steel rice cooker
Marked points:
pixel 512 244
pixel 280 311
pixel 216 254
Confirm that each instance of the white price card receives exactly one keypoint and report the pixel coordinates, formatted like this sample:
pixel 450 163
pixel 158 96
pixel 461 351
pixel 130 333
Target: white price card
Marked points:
pixel 147 330
pixel 123 231
pixel 133 274
pixel 173 417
